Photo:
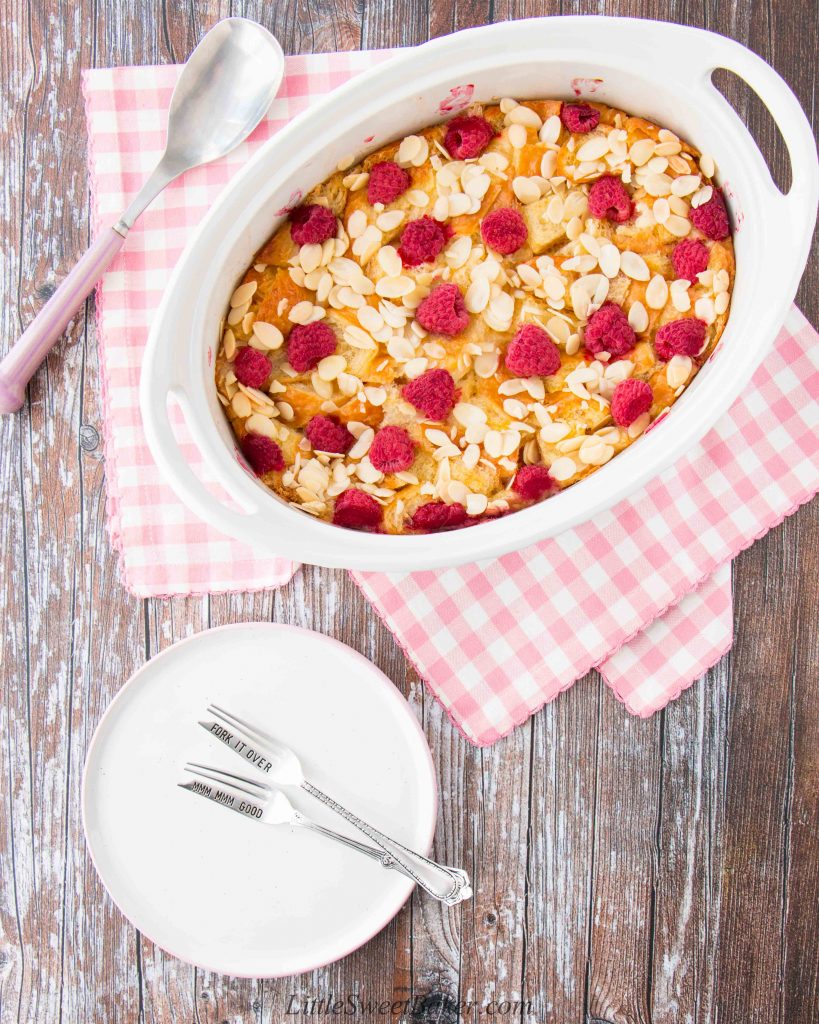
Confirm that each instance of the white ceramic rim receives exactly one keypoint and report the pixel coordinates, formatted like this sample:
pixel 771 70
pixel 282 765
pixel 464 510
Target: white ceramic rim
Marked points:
pixel 412 722
pixel 682 59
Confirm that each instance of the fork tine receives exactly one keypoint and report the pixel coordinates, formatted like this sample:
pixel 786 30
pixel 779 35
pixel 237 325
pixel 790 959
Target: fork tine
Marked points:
pixel 233 789
pixel 233 775
pixel 240 723
pixel 238 782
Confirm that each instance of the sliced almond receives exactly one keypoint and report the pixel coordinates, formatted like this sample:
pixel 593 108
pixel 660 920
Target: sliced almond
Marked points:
pixel 477 295
pixel 301 313
pixel 476 504
pixel 486 364
pixel 517 136
pixel 525 189
pixel 240 404
pixel 394 287
pixel 550 130
pixel 243 294
pixel 678 370
pixel 609 259
pixel 707 165
pixel 331 366
pixel 389 220
pixel 657 292
pixel 685 184
pixel 268 335
pixel 658 185
pixel 678 226
pixel 642 151
pixel 638 317
pixel 634 266
pixel 376 395
pixel 548 163
pixel 357 224
pixel 259 424
pixel 594 149
pixel 563 469
pixel 416 197
pixel 526 116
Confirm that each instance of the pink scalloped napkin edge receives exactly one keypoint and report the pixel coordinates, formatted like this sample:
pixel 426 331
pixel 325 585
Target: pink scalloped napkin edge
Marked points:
pixel 495 640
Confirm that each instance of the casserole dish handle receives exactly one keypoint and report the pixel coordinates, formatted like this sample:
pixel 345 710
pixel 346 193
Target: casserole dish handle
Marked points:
pixel 160 381
pixel 797 206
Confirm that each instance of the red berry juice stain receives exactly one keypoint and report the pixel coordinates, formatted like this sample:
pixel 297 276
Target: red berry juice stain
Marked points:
pixel 460 96
pixel 586 86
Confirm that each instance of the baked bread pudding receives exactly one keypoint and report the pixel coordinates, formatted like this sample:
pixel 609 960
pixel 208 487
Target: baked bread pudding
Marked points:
pixel 474 317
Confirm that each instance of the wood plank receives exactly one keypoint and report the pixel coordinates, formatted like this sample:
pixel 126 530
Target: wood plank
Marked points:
pixel 748 968
pixel 496 822
pixel 436 944
pixel 560 853
pixel 800 1000
pixel 760 755
pixel 61 555
pixel 16 838
pixel 117 42
pixel 320 28
pixel 688 889
pixel 624 865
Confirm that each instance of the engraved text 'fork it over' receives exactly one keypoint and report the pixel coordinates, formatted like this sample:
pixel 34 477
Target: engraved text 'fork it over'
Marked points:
pixel 249 753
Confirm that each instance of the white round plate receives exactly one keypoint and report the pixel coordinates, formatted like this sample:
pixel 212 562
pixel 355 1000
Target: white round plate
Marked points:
pixel 225 892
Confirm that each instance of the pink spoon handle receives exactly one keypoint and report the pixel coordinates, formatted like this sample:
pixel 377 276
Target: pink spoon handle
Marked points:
pixel 32 347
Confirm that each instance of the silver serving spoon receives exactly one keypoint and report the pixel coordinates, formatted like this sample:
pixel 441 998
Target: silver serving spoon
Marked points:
pixel 224 90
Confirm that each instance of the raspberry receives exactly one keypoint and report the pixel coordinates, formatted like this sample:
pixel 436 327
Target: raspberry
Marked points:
pixel 532 482
pixel 609 200
pixel 308 344
pixel 467 137
pixel 437 515
pixel 252 367
pixel 421 241
pixel 443 311
pixel 504 230
pixel 392 450
pixel 433 394
pixel 387 182
pixel 263 454
pixel 711 218
pixel 689 258
pixel 532 353
pixel 312 224
pixel 630 400
pixel 680 338
pixel 327 435
pixel 608 330
pixel 357 510
pixel 579 117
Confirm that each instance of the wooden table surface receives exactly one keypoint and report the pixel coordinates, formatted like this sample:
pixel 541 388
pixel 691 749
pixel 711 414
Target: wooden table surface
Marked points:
pixel 663 870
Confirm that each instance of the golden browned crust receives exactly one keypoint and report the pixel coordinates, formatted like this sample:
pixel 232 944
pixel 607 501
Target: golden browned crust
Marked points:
pixel 569 266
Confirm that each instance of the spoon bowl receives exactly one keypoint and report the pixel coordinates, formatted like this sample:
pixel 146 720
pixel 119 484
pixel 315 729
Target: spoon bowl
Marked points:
pixel 225 88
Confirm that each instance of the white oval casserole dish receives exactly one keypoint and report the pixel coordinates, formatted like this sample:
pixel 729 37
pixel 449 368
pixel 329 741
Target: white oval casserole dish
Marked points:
pixel 657 70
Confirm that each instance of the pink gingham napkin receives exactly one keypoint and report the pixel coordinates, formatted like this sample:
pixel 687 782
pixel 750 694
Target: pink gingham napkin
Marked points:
pixel 164 549
pixel 495 640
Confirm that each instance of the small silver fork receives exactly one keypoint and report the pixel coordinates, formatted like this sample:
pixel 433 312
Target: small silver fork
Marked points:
pixel 281 765
pixel 268 805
